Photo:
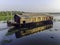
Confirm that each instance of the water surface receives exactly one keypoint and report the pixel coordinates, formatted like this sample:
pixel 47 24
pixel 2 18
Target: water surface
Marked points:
pixel 47 37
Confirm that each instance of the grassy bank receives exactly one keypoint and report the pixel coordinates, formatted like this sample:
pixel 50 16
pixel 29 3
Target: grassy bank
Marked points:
pixel 3 18
pixel 8 15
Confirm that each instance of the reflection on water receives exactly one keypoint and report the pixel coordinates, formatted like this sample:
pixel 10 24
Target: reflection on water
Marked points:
pixel 24 32
pixel 47 37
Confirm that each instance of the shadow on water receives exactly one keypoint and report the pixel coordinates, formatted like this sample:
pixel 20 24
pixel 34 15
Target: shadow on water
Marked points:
pixel 27 31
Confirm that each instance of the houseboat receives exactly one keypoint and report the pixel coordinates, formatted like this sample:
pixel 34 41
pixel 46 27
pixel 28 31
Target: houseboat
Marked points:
pixel 28 24
pixel 30 21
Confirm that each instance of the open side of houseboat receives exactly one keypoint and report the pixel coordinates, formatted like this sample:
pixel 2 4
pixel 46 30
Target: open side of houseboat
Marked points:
pixel 30 21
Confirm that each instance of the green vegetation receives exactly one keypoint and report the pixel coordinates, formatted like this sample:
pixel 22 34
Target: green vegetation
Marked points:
pixel 4 17
pixel 8 15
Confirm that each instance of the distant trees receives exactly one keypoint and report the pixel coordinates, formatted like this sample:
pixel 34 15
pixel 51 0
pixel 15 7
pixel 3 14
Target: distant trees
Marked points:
pixel 4 15
pixel 17 12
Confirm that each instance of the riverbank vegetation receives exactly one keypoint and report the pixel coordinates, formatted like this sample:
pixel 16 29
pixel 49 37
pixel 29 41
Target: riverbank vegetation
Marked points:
pixel 8 15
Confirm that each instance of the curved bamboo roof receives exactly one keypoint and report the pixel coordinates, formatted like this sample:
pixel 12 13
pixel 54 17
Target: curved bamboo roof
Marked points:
pixel 33 15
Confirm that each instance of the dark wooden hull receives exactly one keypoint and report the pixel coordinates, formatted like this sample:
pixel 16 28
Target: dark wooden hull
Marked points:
pixel 34 24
